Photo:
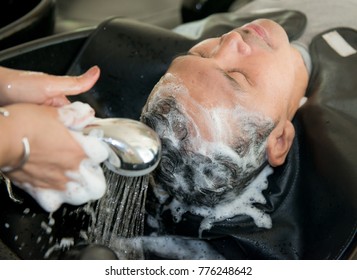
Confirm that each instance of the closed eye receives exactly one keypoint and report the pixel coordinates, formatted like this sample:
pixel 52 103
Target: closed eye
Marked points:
pixel 199 53
pixel 229 75
pixel 241 73
pixel 234 82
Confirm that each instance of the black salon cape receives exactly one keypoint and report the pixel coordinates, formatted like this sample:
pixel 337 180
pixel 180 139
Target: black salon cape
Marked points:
pixel 312 198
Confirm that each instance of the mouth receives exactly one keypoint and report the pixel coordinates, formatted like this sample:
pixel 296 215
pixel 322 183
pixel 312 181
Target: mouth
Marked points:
pixel 259 31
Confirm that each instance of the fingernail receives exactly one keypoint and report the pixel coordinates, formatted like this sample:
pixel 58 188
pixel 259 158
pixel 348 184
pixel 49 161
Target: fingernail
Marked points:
pixel 93 71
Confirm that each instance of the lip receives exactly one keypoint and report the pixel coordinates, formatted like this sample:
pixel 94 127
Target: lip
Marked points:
pixel 258 30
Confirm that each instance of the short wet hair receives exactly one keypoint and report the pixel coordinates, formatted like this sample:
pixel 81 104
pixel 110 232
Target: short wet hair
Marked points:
pixel 205 179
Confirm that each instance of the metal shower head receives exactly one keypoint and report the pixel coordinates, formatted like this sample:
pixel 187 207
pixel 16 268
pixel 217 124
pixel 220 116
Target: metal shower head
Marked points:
pixel 136 147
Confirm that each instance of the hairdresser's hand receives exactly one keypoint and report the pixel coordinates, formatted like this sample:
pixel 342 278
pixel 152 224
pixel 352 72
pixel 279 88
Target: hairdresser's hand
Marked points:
pixel 18 86
pixel 53 149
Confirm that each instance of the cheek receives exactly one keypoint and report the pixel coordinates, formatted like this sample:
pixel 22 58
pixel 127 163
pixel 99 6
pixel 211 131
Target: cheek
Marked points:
pixel 277 72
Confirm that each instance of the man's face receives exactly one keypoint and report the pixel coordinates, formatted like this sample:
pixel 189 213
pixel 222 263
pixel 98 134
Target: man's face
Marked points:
pixel 253 66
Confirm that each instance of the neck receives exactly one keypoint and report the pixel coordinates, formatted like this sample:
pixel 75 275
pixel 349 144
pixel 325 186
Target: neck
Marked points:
pixel 305 55
pixel 303 71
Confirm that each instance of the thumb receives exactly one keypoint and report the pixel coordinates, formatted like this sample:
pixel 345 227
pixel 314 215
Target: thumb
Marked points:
pixel 73 85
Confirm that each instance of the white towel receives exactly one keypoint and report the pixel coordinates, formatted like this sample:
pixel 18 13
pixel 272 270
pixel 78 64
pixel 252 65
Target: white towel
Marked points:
pixel 88 182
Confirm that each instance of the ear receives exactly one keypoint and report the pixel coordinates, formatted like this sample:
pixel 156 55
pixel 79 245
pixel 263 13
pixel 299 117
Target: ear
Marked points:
pixel 279 143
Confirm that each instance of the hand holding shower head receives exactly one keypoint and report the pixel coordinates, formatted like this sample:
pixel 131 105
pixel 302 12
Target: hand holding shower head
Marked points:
pixel 135 147
pixel 134 150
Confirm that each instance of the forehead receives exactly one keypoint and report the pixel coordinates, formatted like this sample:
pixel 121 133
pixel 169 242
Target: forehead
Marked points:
pixel 168 86
pixel 204 83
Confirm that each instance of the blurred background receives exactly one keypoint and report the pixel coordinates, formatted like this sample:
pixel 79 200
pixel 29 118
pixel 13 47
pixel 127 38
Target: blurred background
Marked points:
pixel 25 20
pixel 72 14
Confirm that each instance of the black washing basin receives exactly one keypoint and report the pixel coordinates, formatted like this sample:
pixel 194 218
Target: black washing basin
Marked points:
pixel 22 21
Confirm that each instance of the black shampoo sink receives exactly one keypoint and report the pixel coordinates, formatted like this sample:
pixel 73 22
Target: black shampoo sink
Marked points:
pixel 22 21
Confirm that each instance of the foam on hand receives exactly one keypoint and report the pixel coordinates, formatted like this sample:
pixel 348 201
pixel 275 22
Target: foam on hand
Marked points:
pixel 88 182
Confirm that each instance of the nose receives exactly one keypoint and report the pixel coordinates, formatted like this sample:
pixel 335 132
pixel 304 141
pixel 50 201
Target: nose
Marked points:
pixel 231 44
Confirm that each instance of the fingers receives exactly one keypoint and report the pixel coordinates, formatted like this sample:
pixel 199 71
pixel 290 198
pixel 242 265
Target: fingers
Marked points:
pixel 53 186
pixel 57 101
pixel 40 88
pixel 47 178
pixel 62 86
pixel 65 163
pixel 72 85
pixel 74 187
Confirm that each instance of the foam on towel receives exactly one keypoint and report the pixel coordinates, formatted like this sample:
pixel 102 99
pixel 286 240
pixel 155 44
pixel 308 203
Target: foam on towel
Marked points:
pixel 88 182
